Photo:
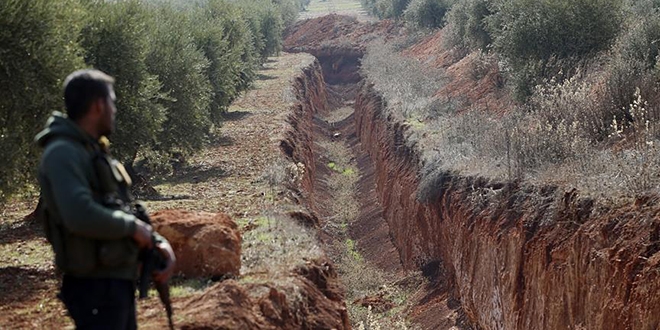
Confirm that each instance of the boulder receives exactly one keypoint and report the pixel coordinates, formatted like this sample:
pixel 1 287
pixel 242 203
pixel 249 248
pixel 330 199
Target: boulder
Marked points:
pixel 205 244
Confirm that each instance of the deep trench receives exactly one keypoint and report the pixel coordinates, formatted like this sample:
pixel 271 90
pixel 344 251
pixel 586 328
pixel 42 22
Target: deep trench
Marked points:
pixel 353 230
pixel 377 279
pixel 495 255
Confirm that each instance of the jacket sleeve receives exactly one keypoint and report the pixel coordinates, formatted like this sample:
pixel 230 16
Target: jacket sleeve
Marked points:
pixel 63 166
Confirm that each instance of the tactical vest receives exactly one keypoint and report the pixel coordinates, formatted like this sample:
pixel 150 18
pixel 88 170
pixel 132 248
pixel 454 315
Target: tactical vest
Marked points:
pixel 82 256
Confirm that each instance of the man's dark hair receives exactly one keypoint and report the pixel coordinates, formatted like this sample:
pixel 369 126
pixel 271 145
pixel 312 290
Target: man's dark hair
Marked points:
pixel 83 87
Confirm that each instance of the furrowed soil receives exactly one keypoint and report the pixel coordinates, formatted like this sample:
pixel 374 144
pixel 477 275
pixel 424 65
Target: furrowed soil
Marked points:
pixel 354 233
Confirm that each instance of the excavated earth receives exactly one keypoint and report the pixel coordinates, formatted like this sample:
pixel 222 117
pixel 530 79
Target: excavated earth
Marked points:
pixel 502 255
pixel 494 255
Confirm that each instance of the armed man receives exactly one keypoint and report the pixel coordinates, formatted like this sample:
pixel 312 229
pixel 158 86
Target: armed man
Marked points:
pixel 90 218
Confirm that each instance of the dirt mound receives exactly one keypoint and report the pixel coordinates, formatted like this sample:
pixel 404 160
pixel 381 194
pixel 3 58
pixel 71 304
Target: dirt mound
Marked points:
pixel 296 302
pixel 206 244
pixel 335 33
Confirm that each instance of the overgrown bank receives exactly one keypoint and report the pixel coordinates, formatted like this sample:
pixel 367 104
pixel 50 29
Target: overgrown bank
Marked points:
pixel 516 256
pixel 536 100
pixel 510 254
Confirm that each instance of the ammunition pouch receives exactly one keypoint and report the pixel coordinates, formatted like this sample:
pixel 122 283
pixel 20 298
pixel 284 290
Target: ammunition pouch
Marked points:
pixel 117 253
pixel 78 255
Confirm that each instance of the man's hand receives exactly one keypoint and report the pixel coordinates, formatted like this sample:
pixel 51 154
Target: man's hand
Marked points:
pixel 142 234
pixel 161 277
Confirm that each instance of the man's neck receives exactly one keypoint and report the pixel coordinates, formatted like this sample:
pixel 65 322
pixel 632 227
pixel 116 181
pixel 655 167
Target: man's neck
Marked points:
pixel 88 128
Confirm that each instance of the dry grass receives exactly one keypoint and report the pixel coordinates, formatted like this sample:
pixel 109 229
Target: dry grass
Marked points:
pixel 411 94
pixel 276 246
pixel 565 134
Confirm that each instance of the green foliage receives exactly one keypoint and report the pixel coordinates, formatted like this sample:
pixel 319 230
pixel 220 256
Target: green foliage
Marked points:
pixel 303 4
pixel 398 7
pixel 181 70
pixel 271 29
pixel 386 8
pixel 226 41
pixel 178 64
pixel 289 10
pixel 39 48
pixel 426 13
pixel 266 25
pixel 465 25
pixel 538 30
pixel 529 34
pixel 116 42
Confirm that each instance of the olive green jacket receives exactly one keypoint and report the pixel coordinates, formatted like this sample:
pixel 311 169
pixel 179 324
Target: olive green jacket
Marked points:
pixel 93 240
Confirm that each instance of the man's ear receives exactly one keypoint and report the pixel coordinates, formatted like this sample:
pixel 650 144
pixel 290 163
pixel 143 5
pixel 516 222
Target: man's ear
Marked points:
pixel 96 107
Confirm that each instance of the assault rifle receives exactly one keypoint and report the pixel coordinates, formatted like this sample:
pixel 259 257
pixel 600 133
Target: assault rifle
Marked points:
pixel 153 260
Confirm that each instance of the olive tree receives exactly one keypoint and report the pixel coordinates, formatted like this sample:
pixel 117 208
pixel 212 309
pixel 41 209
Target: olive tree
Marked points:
pixel 39 49
pixel 116 41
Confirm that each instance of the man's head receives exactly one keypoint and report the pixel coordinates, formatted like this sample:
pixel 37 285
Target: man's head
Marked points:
pixel 90 100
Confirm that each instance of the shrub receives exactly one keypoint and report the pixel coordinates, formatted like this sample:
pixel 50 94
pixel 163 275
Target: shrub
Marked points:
pixel 533 36
pixel 466 27
pixel 289 10
pixel 266 25
pixel 526 30
pixel 398 7
pixel 633 65
pixel 426 13
pixel 178 65
pixel 225 39
pixel 386 8
pixel 39 49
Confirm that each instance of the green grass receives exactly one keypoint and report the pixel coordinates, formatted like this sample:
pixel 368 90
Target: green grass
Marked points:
pixel 318 6
pixel 186 287
pixel 352 251
pixel 415 123
pixel 349 171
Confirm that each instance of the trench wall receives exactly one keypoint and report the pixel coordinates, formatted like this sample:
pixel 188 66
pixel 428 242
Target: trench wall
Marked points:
pixel 517 257
pixel 299 144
